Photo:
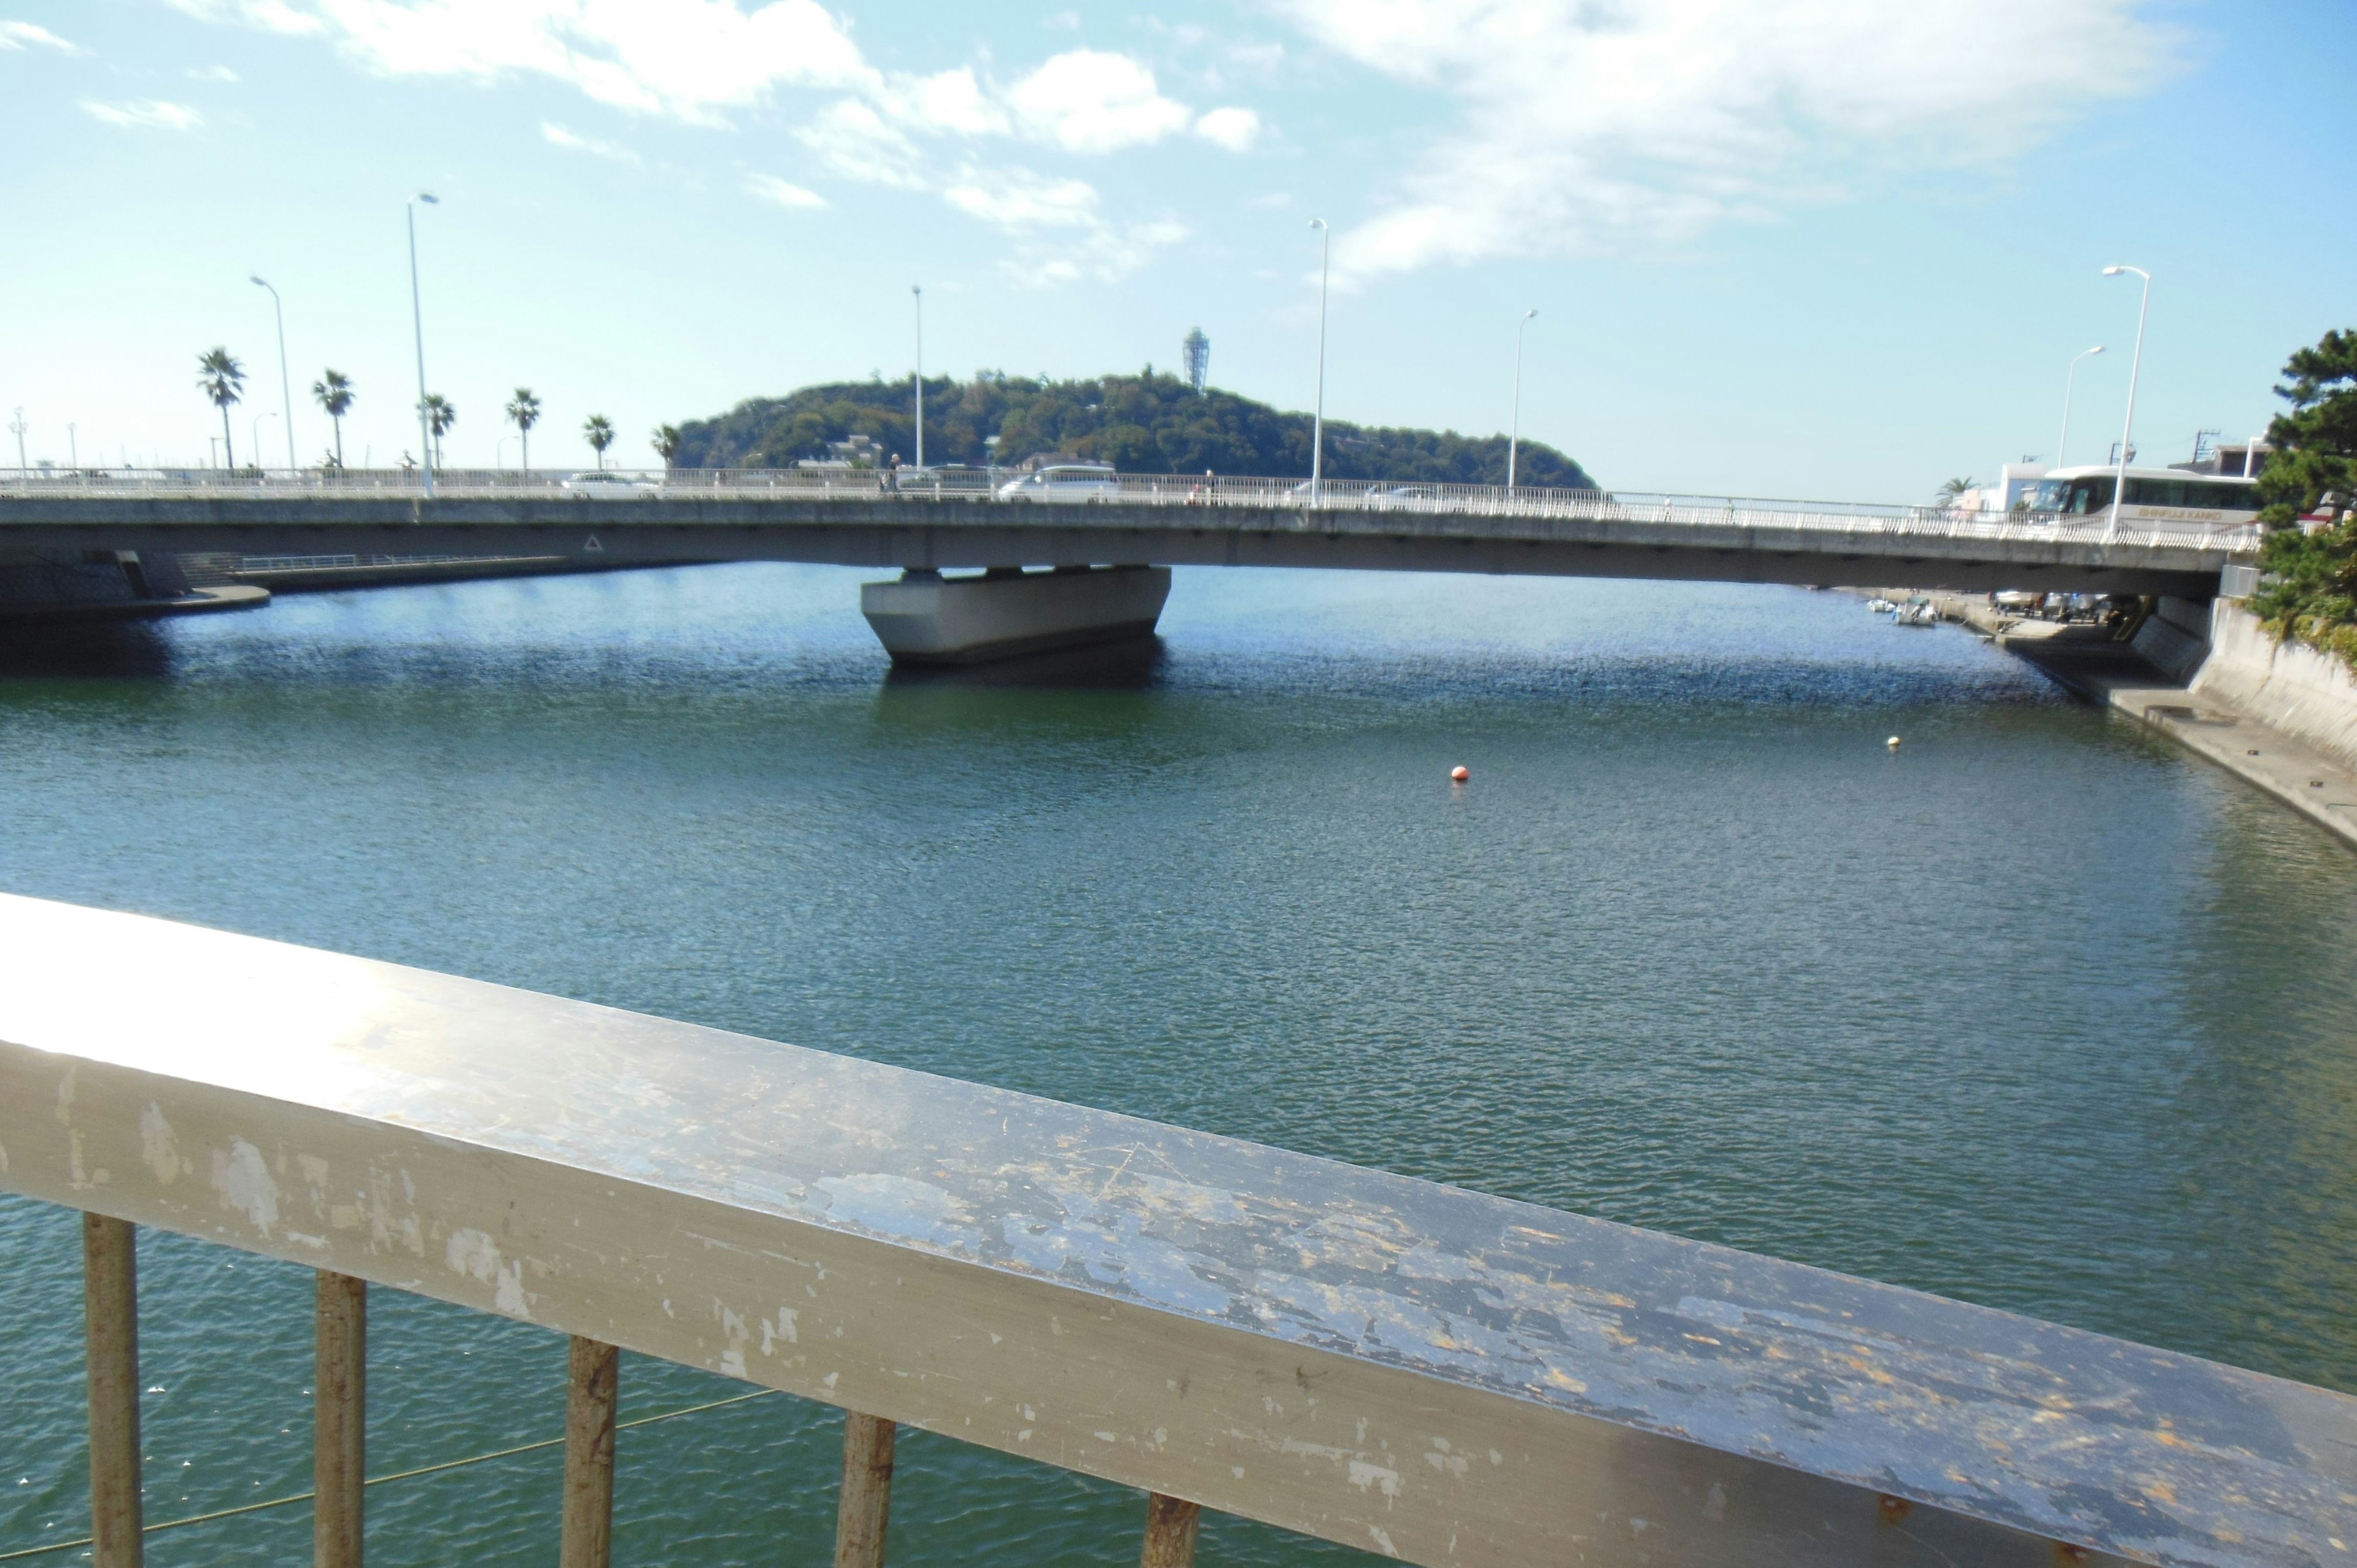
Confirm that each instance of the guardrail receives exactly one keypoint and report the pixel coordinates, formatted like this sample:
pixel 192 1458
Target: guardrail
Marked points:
pixel 1439 1376
pixel 1497 507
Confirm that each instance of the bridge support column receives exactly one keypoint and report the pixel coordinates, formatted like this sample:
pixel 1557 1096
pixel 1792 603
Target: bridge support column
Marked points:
pixel 927 618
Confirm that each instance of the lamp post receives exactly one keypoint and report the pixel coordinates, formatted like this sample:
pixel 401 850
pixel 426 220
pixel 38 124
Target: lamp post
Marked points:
pixel 73 445
pixel 1515 441
pixel 2136 365
pixel 1318 419
pixel 17 426
pixel 286 389
pixel 417 320
pixel 2069 383
pixel 916 294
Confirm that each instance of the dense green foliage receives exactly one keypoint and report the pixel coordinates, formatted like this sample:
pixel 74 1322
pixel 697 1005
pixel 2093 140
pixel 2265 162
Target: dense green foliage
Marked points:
pixel 2312 591
pixel 1145 424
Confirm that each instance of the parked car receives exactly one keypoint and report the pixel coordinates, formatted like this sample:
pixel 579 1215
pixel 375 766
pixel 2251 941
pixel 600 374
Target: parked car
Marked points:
pixel 604 484
pixel 1065 482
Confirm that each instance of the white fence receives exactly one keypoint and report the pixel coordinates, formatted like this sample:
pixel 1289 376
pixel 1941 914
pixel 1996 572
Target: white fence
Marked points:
pixel 1350 496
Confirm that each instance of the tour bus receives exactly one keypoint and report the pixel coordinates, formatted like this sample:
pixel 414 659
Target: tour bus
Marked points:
pixel 2155 494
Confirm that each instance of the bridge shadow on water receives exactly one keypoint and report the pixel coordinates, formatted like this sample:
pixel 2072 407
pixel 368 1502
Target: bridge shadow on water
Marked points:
pixel 112 650
pixel 1135 664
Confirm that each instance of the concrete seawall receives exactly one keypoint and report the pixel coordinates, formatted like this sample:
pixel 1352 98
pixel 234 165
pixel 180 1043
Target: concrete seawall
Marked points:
pixel 2289 686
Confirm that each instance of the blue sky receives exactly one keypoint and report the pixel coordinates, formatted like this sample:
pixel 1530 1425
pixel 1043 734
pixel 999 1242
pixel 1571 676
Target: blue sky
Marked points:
pixel 1823 248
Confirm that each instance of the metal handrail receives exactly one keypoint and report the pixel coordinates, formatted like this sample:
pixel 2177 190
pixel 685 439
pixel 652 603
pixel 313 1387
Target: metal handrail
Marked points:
pixel 1498 509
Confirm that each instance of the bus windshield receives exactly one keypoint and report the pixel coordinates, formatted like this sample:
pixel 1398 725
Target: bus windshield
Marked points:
pixel 2075 496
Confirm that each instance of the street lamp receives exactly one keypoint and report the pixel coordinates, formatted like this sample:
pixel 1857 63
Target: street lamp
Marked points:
pixel 417 320
pixel 2069 382
pixel 2127 431
pixel 286 391
pixel 18 426
pixel 1515 441
pixel 918 294
pixel 1318 420
pixel 73 447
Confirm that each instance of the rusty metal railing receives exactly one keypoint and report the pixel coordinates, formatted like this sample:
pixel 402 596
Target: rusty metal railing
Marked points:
pixel 1439 1376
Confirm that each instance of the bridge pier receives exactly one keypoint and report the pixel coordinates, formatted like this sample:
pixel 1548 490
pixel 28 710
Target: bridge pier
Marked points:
pixel 927 618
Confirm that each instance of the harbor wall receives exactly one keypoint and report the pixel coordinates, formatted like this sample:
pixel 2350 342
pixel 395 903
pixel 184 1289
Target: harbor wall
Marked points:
pixel 2289 686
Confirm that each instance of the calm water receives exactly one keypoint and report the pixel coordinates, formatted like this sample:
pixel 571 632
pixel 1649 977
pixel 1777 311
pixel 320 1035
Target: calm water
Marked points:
pixel 2038 1012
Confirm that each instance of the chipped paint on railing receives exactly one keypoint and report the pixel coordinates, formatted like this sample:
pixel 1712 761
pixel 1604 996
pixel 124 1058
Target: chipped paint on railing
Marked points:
pixel 773 1154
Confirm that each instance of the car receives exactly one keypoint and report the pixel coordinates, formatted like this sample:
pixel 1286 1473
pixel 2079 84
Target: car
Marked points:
pixel 1066 482
pixel 605 484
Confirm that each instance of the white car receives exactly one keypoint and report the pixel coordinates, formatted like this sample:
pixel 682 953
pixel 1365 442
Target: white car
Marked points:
pixel 604 484
pixel 1065 482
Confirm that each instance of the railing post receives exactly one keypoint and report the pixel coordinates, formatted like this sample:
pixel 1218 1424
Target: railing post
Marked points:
pixel 865 1506
pixel 593 1375
pixel 1171 1524
pixel 339 1421
pixel 110 1261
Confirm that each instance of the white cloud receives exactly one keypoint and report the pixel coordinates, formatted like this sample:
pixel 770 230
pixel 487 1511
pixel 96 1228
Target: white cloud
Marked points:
pixel 1060 235
pixel 698 60
pixel 556 135
pixel 26 34
pixel 153 115
pixel 1584 123
pixel 1232 128
pixel 686 59
pixel 1018 199
pixel 856 142
pixel 782 193
pixel 211 73
pixel 1086 101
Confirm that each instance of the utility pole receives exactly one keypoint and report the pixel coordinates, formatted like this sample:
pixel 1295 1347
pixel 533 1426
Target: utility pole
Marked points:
pixel 1318 420
pixel 17 424
pixel 417 319
pixel 1515 441
pixel 918 294
pixel 2127 431
pixel 286 388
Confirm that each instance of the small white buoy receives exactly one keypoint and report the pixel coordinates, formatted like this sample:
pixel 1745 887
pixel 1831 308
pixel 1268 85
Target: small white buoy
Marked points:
pixel 1892 742
pixel 1459 775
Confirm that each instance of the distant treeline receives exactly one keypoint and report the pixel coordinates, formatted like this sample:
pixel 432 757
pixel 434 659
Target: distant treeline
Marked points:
pixel 1145 424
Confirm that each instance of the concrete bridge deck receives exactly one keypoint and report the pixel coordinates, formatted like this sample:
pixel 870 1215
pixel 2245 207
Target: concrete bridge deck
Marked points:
pixel 954 520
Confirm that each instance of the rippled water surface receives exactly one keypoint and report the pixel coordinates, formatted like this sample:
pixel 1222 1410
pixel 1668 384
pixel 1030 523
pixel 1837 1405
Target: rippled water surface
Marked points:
pixel 2037 1012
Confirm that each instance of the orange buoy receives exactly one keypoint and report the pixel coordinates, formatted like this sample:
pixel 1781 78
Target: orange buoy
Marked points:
pixel 1459 775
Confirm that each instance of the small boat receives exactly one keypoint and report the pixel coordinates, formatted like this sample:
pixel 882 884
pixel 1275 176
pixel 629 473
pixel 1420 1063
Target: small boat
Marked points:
pixel 1880 607
pixel 1917 614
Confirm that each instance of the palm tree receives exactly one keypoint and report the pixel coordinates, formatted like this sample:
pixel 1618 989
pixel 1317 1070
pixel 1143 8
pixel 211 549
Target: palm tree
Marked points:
pixel 524 409
pixel 666 441
pixel 335 394
pixel 600 430
pixel 222 378
pixel 1952 488
pixel 441 413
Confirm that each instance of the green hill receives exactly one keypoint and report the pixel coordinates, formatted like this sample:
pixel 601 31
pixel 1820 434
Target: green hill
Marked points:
pixel 1145 424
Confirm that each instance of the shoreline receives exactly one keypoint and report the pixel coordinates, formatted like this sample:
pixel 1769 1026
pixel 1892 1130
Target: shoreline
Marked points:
pixel 2313 782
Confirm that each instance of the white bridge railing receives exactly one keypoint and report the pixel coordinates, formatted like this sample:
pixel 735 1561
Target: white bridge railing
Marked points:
pixel 1868 523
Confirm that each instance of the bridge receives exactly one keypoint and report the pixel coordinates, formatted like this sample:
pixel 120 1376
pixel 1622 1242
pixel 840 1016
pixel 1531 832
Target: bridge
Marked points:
pixel 1418 1371
pixel 950 519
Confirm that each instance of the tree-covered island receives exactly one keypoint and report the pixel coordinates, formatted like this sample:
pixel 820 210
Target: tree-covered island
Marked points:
pixel 1145 423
